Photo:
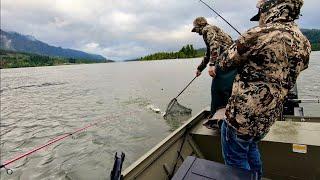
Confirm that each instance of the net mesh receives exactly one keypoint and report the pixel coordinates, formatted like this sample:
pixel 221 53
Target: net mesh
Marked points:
pixel 176 113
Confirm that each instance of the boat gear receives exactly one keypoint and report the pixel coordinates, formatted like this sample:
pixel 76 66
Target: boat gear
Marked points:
pixel 174 109
pixel 117 167
pixel 213 124
pixel 221 17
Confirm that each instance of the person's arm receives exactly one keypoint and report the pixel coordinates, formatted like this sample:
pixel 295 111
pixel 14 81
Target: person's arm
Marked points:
pixel 204 62
pixel 214 45
pixel 206 58
pixel 236 55
pixel 300 64
pixel 230 58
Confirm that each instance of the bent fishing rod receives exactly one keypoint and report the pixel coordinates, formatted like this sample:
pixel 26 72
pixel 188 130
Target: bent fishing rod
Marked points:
pixel 50 142
pixel 221 17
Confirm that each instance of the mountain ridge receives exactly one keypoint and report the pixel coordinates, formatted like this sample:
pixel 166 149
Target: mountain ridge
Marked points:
pixel 26 43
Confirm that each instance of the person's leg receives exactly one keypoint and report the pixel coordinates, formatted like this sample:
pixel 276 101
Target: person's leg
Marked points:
pixel 255 159
pixel 235 151
pixel 213 97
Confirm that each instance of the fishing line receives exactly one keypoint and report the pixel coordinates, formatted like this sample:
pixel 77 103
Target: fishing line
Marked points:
pixel 221 17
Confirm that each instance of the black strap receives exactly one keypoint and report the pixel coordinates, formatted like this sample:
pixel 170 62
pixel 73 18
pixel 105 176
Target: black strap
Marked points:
pixel 179 153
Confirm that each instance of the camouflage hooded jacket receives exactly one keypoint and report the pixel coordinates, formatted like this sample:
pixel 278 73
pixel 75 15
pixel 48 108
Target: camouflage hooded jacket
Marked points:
pixel 216 41
pixel 269 59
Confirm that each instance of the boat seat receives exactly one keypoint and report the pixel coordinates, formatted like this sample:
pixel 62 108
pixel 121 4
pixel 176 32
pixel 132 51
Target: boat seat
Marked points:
pixel 199 169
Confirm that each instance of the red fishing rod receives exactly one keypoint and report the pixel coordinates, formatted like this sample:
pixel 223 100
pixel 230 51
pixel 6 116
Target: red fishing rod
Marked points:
pixel 59 138
pixel 52 141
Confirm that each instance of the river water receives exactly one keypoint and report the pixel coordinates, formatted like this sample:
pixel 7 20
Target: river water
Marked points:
pixel 38 104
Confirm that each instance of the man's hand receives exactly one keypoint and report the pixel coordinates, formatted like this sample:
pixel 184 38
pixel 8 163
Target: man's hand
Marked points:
pixel 212 71
pixel 198 73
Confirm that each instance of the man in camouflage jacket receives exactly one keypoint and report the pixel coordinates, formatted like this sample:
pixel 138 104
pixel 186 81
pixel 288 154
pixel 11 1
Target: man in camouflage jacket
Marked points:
pixel 269 58
pixel 217 42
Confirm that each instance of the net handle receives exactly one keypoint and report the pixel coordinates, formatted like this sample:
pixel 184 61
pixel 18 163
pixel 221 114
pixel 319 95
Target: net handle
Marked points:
pixel 186 87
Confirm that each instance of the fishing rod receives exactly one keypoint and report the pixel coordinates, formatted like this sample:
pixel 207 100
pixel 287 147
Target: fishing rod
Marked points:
pixel 221 17
pixel 305 100
pixel 50 142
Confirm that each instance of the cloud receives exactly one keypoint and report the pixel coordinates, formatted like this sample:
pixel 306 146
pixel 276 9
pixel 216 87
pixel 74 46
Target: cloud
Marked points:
pixel 117 52
pixel 128 29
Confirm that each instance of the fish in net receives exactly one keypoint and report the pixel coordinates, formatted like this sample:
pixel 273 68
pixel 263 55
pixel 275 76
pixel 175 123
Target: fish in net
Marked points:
pixel 176 113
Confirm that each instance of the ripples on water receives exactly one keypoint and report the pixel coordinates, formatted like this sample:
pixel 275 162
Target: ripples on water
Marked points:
pixel 38 104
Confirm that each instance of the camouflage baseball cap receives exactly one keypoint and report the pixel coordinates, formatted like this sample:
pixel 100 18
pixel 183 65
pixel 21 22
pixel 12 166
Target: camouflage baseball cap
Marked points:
pixel 288 8
pixel 199 22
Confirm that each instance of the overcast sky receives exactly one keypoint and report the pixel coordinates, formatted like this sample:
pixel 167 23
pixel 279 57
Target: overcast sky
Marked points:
pixel 126 29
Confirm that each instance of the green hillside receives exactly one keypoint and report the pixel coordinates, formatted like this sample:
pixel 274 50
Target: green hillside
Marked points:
pixel 12 59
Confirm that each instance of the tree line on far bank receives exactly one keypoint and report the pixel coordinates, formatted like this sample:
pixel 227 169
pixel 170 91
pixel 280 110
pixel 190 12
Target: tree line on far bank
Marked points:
pixel 185 52
pixel 189 52
pixel 314 37
pixel 12 59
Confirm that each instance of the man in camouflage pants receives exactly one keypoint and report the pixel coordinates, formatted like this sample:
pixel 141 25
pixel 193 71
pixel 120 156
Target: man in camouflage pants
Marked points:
pixel 217 42
pixel 269 58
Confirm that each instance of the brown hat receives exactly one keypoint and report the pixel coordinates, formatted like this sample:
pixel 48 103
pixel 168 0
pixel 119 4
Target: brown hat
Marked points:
pixel 199 22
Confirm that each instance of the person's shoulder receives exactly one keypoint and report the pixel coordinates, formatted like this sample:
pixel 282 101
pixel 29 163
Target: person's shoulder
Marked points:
pixel 297 33
pixel 272 27
pixel 208 28
pixel 254 30
pixel 264 30
pixel 216 28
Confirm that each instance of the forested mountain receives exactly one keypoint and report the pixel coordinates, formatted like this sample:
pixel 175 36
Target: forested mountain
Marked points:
pixel 24 43
pixel 13 59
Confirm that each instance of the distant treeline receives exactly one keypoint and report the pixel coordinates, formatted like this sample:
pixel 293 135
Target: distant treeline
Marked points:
pixel 315 46
pixel 314 37
pixel 189 52
pixel 185 52
pixel 12 59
